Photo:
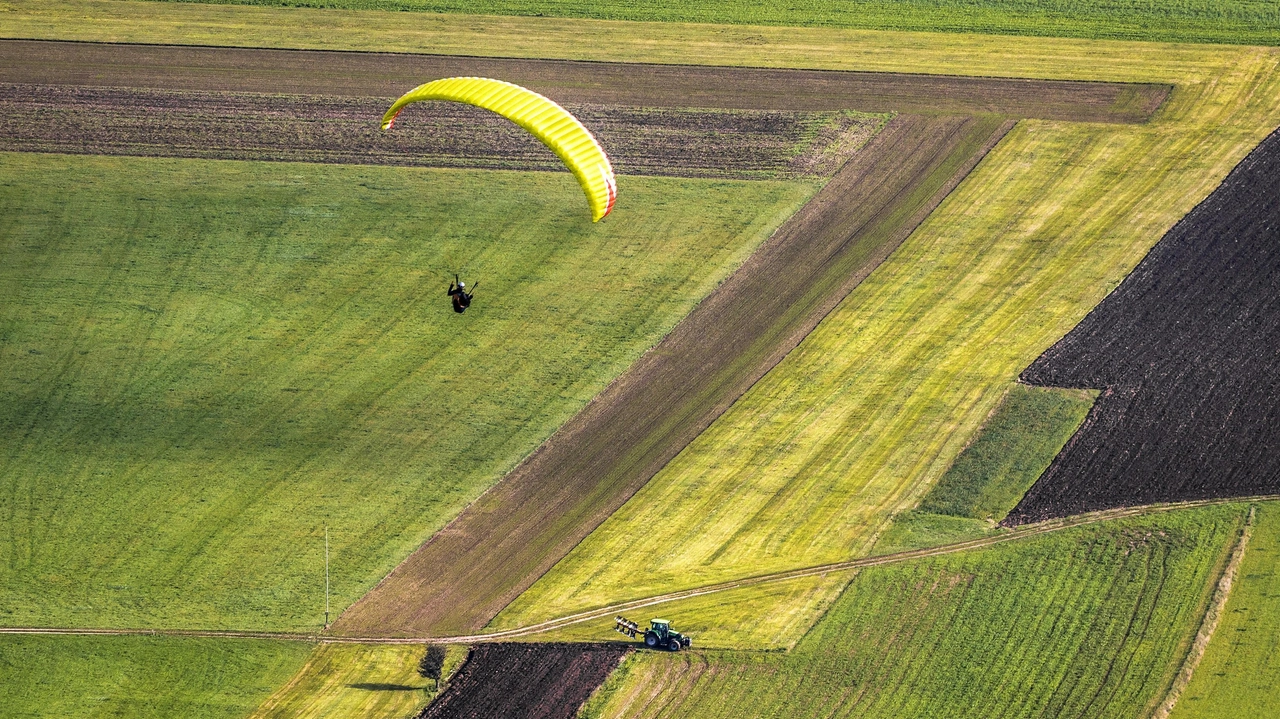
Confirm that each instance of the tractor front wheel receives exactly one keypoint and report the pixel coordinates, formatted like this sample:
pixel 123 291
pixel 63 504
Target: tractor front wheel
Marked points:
pixel 674 645
pixel 650 640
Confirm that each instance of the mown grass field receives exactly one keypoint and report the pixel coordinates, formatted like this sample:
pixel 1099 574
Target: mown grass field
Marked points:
pixel 1013 448
pixel 1089 622
pixel 605 40
pixel 207 363
pixel 867 413
pixel 1249 22
pixel 358 680
pixel 63 677
pixel 1239 675
pixel 1059 212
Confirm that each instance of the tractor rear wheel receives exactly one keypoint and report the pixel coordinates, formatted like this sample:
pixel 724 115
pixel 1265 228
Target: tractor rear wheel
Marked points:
pixel 674 645
pixel 650 640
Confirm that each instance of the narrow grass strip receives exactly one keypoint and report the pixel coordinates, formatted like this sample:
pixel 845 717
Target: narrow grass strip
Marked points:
pixel 1245 22
pixel 1212 615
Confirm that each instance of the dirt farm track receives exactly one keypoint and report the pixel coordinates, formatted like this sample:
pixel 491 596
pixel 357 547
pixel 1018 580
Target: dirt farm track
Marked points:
pixel 514 533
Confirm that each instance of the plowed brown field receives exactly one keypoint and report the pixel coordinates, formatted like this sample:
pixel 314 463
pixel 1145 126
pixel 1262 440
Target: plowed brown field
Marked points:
pixel 532 681
pixel 745 144
pixel 350 74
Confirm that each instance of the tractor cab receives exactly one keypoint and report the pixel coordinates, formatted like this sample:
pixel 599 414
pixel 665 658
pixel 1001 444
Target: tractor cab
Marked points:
pixel 659 634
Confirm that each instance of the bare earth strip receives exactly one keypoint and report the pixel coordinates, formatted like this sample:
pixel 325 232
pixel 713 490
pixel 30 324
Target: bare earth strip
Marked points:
pixel 380 75
pixel 95 120
pixel 501 544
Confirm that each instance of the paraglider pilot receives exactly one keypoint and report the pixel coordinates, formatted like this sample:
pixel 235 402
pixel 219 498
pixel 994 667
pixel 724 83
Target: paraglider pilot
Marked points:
pixel 458 293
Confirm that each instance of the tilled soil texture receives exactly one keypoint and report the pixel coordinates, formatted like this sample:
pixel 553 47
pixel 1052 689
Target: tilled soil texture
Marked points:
pixel 466 573
pixel 745 144
pixel 532 681
pixel 351 74
pixel 1187 351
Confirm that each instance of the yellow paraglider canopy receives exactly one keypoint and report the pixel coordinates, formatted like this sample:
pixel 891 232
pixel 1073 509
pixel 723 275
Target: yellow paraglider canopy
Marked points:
pixel 544 119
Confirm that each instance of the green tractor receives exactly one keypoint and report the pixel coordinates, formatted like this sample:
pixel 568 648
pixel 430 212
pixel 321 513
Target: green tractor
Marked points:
pixel 659 634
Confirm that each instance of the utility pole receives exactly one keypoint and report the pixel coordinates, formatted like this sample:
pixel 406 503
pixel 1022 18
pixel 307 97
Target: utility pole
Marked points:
pixel 326 577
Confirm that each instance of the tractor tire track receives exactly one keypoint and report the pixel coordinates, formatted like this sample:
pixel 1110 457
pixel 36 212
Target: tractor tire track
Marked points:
pixel 1209 624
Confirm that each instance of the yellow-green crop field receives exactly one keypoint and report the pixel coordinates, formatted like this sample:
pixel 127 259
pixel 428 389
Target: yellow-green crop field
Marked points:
pixel 1088 622
pixel 44 676
pixel 358 680
pixel 1239 675
pixel 857 423
pixel 813 465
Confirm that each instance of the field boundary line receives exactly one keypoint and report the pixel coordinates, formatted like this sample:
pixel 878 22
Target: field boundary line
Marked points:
pixel 1209 624
pixel 1025 531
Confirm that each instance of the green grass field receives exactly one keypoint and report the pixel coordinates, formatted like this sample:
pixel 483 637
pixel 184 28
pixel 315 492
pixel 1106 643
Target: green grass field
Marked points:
pixel 1089 622
pixel 1011 451
pixel 207 363
pixel 855 425
pixel 1051 221
pixel 1247 22
pixel 359 680
pixel 1239 675
pixel 619 41
pixel 138 676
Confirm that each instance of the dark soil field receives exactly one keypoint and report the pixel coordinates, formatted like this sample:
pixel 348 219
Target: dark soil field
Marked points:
pixel 501 544
pixel 531 681
pixel 1187 351
pixel 746 144
pixel 381 75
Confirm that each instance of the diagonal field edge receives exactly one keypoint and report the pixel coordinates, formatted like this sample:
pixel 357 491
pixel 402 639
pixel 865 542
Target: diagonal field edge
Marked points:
pixel 514 533
pixel 1025 531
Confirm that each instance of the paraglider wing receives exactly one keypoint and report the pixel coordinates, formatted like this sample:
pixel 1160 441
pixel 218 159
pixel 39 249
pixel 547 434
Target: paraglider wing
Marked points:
pixel 544 119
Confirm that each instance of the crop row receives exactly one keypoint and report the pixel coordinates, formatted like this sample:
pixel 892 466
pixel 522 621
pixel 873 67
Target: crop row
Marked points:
pixel 317 128
pixel 1091 622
